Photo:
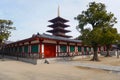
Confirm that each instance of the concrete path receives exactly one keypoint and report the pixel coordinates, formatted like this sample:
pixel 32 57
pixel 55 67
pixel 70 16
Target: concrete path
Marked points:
pixel 104 67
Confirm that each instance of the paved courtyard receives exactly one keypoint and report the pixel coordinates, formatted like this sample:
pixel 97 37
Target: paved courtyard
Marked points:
pixel 106 63
pixel 15 70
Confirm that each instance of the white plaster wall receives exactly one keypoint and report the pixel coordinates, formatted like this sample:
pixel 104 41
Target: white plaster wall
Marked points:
pixel 102 48
pixel 63 43
pixel 35 41
pixel 49 41
pixel 26 43
pixel 71 43
pixel 20 44
pixel 79 44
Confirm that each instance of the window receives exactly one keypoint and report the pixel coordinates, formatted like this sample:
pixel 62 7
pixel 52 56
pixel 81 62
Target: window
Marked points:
pixel 20 49
pixel 72 48
pixel 26 49
pixel 79 48
pixel 85 49
pixel 34 48
pixel 89 49
pixel 63 48
pixel 16 49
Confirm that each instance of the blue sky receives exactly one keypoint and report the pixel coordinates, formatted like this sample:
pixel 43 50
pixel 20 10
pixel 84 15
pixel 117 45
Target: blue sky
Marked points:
pixel 31 16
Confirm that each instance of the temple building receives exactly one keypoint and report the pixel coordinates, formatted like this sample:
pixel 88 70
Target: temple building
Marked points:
pixel 48 46
pixel 44 46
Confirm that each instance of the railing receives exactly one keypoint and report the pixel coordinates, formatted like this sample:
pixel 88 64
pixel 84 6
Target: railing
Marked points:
pixel 65 54
pixel 112 53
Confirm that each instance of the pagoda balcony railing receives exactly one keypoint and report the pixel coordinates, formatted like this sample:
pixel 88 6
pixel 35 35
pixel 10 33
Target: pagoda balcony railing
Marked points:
pixel 59 28
pixel 59 33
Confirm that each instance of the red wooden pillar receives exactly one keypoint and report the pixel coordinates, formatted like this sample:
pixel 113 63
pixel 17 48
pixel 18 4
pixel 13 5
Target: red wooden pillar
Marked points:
pixel 13 50
pixel 68 49
pixel 22 50
pixel 104 48
pixel 82 49
pixel 57 49
pixel 99 49
pixel 29 48
pixel 40 48
pixel 86 50
pixel 76 49
pixel 17 53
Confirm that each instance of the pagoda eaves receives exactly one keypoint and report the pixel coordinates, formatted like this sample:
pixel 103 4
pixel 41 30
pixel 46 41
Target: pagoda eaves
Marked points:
pixel 58 19
pixel 58 24
pixel 58 30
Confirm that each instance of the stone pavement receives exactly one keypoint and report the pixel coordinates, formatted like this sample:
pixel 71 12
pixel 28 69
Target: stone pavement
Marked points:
pixel 96 66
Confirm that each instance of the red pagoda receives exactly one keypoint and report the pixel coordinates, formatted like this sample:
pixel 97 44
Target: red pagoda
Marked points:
pixel 59 26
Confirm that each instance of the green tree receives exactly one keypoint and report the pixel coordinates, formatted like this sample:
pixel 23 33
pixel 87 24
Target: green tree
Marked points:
pixel 97 16
pixel 109 37
pixel 118 43
pixel 5 30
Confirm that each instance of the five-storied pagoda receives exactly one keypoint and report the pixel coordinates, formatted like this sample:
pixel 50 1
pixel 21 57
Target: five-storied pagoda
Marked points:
pixel 59 26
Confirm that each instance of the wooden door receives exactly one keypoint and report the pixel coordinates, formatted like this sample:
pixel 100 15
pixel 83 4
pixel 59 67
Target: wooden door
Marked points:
pixel 49 50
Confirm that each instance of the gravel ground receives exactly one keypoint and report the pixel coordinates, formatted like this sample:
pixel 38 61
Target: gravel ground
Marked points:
pixel 15 70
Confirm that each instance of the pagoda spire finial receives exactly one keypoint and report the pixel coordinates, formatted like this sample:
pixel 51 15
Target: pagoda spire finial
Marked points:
pixel 58 10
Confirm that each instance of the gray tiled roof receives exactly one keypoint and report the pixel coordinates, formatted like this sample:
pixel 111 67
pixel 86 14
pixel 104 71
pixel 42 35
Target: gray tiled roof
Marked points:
pixel 8 42
pixel 58 38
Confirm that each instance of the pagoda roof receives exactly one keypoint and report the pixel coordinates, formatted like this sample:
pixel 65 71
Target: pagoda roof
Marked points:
pixel 58 24
pixel 58 30
pixel 58 19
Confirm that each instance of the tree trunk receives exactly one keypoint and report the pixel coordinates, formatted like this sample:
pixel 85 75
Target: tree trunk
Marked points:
pixel 95 54
pixel 108 53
